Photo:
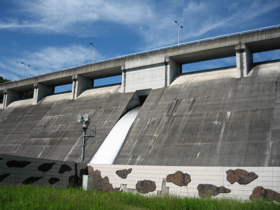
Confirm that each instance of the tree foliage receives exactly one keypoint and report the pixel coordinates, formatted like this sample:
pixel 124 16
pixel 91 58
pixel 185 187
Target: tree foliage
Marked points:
pixel 2 80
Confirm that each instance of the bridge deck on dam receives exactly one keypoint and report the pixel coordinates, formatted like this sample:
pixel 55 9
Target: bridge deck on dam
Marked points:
pixel 208 118
pixel 154 69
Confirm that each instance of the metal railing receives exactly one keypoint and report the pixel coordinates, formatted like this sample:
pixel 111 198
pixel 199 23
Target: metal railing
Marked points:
pixel 157 49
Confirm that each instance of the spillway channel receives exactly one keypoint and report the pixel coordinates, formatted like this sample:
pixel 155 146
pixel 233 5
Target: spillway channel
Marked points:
pixel 111 146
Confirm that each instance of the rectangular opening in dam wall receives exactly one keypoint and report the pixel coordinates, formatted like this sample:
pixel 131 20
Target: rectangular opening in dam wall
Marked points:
pixel 209 64
pixel 266 56
pixel 107 81
pixel 26 95
pixel 63 88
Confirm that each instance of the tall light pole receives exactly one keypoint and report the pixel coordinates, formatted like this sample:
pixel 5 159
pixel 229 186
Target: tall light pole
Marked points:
pixel 24 68
pixel 93 51
pixel 179 26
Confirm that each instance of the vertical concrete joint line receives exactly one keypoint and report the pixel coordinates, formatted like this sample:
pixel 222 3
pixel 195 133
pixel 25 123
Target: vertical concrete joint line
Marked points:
pixel 152 149
pixel 166 75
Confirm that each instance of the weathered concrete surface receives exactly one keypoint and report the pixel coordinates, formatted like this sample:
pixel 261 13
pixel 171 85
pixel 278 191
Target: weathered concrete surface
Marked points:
pixel 209 119
pixel 203 119
pixel 49 129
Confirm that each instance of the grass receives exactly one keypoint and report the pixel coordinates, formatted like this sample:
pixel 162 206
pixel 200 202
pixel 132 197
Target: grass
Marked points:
pixel 29 197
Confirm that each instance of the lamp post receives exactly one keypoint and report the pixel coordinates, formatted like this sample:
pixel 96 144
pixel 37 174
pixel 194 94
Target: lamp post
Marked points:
pixel 85 120
pixel 93 51
pixel 179 26
pixel 24 68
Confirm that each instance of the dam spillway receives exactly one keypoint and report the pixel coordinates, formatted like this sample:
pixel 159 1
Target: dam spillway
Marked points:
pixel 109 149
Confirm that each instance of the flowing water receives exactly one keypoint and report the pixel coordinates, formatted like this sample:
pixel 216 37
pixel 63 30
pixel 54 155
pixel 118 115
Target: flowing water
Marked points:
pixel 111 146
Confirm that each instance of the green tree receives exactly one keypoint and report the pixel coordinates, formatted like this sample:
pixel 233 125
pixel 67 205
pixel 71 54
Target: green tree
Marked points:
pixel 2 80
pixel 28 94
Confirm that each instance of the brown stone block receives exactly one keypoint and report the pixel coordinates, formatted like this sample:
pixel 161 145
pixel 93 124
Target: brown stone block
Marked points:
pixel 208 190
pixel 145 186
pixel 241 176
pixel 123 173
pixel 265 194
pixel 179 178
pixel 100 183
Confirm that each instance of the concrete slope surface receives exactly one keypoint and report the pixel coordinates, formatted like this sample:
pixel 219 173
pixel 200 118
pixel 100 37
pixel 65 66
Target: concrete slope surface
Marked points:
pixel 50 130
pixel 209 119
pixel 203 119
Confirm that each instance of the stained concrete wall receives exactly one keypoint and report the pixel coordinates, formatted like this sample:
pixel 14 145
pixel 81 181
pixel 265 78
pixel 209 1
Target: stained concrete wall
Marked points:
pixel 49 129
pixel 209 119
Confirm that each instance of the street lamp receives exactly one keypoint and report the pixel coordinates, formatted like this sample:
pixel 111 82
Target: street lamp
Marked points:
pixel 93 51
pixel 85 120
pixel 179 26
pixel 24 68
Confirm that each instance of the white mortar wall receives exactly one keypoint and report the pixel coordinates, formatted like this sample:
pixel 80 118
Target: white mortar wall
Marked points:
pixel 268 177
pixel 145 78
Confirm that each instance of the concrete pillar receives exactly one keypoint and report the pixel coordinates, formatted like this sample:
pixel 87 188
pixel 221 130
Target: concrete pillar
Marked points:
pixel 41 91
pixel 9 96
pixel 74 84
pixel 80 84
pixel 173 69
pixel 244 60
pixel 123 79
pixel 87 182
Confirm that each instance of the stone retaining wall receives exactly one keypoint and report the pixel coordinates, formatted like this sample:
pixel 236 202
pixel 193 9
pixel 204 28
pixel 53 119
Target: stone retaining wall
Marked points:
pixel 220 182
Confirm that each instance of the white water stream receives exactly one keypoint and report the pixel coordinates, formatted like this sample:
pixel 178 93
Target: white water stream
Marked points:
pixel 111 146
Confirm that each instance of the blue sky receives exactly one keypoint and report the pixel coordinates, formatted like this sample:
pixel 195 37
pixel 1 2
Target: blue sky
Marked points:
pixel 51 35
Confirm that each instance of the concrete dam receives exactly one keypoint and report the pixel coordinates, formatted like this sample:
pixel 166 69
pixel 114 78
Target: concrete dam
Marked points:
pixel 201 119
pixel 218 119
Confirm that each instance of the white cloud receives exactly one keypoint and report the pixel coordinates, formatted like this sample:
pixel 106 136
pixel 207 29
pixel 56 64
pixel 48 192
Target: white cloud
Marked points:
pixel 200 17
pixel 153 20
pixel 65 16
pixel 47 60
